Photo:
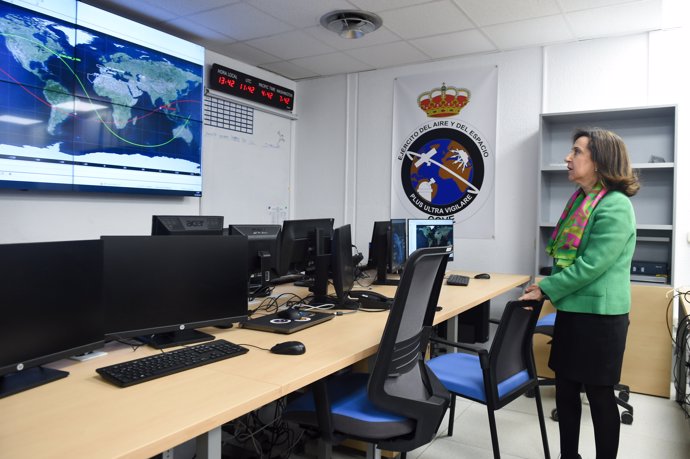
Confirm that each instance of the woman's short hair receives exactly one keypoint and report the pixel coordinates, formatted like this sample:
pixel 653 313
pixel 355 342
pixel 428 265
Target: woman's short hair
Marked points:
pixel 611 159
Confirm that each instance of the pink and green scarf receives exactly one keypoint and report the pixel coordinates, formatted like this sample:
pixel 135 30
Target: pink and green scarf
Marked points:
pixel 567 235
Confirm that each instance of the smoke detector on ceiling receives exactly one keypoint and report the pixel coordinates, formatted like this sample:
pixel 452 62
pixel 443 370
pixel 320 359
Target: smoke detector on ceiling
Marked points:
pixel 351 23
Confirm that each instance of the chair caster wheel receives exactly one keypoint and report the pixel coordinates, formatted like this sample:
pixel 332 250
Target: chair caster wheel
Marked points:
pixel 529 393
pixel 626 417
pixel 624 395
pixel 554 414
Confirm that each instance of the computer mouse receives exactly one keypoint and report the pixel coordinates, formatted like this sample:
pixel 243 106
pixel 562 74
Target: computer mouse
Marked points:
pixel 289 348
pixel 290 313
pixel 483 276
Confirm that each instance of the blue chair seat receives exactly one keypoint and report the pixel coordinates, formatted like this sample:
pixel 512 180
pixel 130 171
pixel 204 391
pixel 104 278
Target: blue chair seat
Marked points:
pixel 352 411
pixel 547 321
pixel 462 374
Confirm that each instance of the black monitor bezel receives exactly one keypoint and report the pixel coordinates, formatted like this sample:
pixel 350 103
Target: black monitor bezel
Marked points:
pixel 87 256
pixel 259 236
pixel 429 222
pixel 342 264
pixel 227 249
pixel 301 241
pixel 158 227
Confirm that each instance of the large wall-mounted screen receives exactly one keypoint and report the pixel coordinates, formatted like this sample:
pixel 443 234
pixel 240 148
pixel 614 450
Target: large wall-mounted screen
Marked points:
pixel 90 101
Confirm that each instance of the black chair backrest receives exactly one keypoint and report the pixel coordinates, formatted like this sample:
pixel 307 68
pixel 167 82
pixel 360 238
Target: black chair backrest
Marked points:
pixel 511 349
pixel 400 381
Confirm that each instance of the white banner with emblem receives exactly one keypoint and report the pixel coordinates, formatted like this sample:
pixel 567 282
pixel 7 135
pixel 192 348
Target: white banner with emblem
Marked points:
pixel 443 164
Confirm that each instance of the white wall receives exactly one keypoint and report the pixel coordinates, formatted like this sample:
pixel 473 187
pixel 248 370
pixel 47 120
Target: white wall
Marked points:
pixel 629 71
pixel 320 149
pixel 30 216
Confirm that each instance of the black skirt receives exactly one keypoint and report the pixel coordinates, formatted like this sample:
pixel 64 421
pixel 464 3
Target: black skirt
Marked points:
pixel 588 348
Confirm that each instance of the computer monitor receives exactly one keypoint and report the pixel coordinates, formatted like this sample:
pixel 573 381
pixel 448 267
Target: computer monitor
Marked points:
pixel 161 289
pixel 429 233
pixel 343 267
pixel 262 266
pixel 378 246
pixel 50 309
pixel 381 250
pixel 397 245
pixel 305 247
pixel 164 225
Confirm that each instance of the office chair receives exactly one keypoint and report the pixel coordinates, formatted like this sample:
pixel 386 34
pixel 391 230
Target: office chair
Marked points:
pixel 545 326
pixel 498 376
pixel 400 404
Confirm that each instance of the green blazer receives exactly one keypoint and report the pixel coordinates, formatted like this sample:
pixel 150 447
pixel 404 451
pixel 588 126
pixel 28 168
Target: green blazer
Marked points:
pixel 598 281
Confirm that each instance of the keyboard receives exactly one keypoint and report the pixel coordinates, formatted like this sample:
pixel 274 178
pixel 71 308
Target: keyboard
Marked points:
pixel 458 279
pixel 156 366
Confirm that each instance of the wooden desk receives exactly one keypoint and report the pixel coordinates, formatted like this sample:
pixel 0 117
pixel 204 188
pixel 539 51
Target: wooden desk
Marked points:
pixel 84 416
pixel 647 359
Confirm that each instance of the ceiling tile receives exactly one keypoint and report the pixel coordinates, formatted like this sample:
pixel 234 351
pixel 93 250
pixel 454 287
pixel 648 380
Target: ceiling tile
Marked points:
pixel 614 20
pixel 291 45
pixel 289 70
pixel 241 22
pixel 286 34
pixel 377 37
pixel 301 13
pixel 331 64
pixel 578 5
pixel 382 5
pixel 182 8
pixel 425 20
pixel 454 44
pixel 551 29
pixel 180 27
pixel 389 55
pixel 484 12
pixel 145 13
pixel 243 52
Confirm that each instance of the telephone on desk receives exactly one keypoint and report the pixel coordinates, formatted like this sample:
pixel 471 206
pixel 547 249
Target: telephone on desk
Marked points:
pixel 371 300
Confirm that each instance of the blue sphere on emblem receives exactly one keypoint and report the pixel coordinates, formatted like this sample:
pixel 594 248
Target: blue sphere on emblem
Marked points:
pixel 441 172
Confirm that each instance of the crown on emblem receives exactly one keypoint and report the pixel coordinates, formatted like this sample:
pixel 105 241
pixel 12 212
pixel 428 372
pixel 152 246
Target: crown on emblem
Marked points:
pixel 443 101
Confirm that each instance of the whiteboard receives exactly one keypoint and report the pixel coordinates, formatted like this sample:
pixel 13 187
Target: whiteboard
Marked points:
pixel 246 177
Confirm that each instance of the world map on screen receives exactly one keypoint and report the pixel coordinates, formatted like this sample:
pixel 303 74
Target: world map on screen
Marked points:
pixel 70 93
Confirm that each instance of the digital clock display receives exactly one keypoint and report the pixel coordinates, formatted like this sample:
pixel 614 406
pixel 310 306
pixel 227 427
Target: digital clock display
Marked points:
pixel 251 88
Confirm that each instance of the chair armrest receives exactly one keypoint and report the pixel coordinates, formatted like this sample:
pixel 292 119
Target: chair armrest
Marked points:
pixel 463 346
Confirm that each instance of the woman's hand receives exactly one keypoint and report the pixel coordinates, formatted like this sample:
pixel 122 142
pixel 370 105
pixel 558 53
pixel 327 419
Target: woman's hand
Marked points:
pixel 532 292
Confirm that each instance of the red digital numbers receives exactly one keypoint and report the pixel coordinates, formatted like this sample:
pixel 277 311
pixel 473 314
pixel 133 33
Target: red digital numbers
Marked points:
pixel 249 87
pixel 226 81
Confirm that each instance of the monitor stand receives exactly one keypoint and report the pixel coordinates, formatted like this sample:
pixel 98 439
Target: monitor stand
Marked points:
pixel 28 379
pixel 381 275
pixel 175 338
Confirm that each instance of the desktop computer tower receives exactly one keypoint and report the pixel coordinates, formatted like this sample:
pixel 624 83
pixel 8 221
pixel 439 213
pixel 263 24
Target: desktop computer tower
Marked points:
pixel 473 325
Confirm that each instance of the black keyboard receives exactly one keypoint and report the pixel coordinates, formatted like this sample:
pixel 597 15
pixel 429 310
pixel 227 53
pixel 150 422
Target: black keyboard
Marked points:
pixel 458 279
pixel 156 366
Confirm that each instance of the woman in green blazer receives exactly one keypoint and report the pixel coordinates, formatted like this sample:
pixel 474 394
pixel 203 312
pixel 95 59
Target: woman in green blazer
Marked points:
pixel 592 247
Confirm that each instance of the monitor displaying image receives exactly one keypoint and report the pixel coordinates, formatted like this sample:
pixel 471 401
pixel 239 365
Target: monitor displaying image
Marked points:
pixel 398 241
pixel 429 233
pixel 96 102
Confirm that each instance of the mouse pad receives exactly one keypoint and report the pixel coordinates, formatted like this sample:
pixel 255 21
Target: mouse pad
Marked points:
pixel 275 324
